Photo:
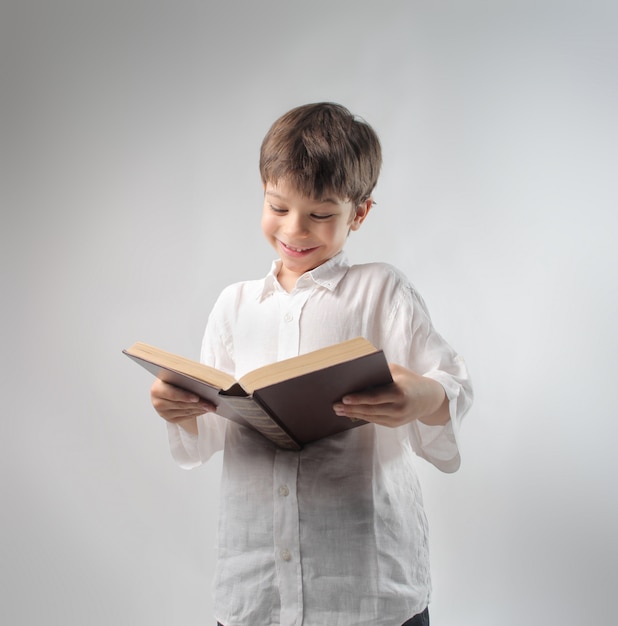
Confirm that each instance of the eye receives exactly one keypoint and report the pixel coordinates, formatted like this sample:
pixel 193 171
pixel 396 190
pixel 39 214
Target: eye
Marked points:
pixel 320 216
pixel 277 210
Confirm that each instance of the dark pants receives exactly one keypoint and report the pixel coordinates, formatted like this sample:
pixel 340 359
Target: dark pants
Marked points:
pixel 422 619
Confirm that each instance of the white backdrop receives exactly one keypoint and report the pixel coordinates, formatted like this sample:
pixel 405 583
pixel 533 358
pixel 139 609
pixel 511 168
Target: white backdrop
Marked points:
pixel 130 196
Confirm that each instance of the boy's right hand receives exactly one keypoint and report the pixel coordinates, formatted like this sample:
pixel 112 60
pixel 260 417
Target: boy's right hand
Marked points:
pixel 178 406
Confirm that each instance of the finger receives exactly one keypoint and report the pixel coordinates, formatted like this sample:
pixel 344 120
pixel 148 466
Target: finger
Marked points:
pixel 192 408
pixel 172 416
pixel 187 408
pixel 378 413
pixel 380 395
pixel 165 391
pixel 391 420
pixel 378 418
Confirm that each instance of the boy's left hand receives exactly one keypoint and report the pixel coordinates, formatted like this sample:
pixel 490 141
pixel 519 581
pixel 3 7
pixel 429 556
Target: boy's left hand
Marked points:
pixel 410 397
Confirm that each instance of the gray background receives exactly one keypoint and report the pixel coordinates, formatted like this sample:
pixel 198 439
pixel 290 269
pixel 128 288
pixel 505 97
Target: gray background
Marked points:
pixel 130 196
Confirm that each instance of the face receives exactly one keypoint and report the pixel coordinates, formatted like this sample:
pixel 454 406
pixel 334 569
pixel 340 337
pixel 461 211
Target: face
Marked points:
pixel 306 232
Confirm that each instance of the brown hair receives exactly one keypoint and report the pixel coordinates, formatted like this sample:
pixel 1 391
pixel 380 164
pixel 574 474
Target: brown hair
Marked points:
pixel 322 149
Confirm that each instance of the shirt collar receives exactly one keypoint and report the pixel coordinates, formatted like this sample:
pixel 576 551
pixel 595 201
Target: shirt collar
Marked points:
pixel 326 275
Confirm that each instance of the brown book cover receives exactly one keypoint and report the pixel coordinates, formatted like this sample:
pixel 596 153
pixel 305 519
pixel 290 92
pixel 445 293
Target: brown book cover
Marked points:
pixel 290 401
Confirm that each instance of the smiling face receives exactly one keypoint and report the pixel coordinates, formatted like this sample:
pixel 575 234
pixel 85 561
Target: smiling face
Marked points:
pixel 306 232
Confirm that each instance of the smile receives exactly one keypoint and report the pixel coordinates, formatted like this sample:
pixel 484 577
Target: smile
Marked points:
pixel 296 250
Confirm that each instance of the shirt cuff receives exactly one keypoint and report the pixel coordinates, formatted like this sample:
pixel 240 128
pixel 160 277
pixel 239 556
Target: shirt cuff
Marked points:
pixel 183 446
pixel 440 444
pixel 189 450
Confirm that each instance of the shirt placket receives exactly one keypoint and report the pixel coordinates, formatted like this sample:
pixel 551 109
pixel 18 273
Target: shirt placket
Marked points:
pixel 285 474
pixel 287 539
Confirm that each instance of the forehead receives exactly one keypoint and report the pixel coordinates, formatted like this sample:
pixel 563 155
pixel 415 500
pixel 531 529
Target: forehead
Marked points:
pixel 287 191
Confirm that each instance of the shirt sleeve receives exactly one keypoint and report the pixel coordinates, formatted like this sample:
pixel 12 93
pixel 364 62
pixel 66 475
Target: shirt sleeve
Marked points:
pixel 422 349
pixel 189 450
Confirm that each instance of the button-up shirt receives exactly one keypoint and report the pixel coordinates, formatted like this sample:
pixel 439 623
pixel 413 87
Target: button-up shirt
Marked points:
pixel 335 534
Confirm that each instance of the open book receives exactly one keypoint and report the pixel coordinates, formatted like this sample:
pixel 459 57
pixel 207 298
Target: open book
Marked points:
pixel 290 401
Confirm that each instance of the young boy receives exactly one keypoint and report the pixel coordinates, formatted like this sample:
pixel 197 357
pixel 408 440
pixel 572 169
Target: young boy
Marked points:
pixel 333 535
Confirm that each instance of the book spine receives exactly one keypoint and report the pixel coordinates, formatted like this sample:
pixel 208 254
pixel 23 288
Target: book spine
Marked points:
pixel 262 422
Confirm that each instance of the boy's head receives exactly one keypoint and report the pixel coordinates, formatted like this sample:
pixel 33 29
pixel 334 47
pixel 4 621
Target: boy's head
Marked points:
pixel 322 149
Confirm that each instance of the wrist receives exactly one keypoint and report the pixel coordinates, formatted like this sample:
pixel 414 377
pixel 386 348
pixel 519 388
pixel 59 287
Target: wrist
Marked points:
pixel 188 423
pixel 438 414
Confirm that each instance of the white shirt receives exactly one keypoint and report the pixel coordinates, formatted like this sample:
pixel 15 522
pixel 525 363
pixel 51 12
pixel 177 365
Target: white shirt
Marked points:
pixel 333 535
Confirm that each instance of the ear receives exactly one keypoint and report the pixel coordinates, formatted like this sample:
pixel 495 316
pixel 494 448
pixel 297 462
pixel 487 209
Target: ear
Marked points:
pixel 361 212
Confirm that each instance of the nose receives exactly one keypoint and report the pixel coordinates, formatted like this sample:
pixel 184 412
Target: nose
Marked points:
pixel 296 224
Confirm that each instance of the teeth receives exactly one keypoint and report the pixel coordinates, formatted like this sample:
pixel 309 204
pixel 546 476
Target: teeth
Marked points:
pixel 297 249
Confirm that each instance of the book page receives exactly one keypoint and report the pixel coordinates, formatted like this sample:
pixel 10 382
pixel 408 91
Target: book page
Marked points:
pixel 306 363
pixel 181 364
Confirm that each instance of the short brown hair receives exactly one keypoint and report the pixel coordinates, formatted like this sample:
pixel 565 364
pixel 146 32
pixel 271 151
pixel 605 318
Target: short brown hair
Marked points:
pixel 322 149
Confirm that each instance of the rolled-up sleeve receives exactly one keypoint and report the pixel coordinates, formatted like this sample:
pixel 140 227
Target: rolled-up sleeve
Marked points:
pixel 440 444
pixel 422 349
pixel 189 450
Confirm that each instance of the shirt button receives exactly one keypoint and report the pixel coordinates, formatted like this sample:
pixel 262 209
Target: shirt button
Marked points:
pixel 288 317
pixel 284 491
pixel 285 555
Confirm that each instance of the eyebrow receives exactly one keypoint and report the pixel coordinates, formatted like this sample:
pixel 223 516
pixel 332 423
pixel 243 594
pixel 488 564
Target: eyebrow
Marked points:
pixel 319 200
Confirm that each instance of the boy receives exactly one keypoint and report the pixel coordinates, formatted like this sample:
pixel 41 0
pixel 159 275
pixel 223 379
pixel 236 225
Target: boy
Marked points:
pixel 333 535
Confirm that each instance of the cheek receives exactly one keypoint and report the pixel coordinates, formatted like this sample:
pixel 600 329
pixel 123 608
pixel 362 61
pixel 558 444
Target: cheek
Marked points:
pixel 340 234
pixel 267 224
